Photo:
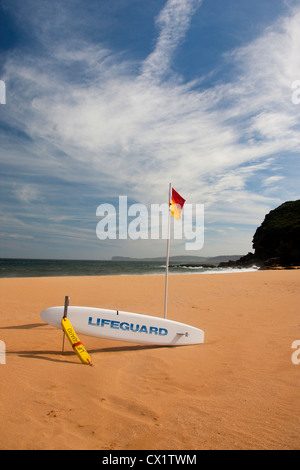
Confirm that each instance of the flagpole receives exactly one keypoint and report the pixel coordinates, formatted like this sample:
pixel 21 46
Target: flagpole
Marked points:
pixel 168 252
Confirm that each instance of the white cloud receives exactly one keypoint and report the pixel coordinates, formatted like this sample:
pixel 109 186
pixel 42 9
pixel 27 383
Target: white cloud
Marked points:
pixel 132 134
pixel 173 22
pixel 272 179
pixel 26 192
pixel 16 236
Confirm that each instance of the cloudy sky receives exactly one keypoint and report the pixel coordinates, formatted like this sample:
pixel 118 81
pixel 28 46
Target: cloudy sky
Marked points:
pixel 120 97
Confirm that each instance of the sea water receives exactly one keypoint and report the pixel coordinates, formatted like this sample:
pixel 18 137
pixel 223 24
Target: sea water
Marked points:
pixel 44 268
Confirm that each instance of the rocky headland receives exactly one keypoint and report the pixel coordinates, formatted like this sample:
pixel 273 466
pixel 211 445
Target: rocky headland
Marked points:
pixel 276 242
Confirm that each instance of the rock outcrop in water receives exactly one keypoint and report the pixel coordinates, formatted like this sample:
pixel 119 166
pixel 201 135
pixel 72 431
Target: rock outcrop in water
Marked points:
pixel 277 241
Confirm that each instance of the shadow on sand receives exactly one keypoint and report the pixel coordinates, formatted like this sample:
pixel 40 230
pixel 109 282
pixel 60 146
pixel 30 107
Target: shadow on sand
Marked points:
pixel 27 326
pixel 58 356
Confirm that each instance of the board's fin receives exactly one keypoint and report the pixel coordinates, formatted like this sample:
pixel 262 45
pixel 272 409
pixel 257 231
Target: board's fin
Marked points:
pixel 75 342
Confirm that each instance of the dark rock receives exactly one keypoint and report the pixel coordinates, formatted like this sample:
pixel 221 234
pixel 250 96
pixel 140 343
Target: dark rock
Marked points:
pixel 244 262
pixel 272 262
pixel 277 240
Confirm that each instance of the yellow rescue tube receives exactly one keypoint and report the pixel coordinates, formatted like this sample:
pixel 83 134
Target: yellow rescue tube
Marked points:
pixel 75 342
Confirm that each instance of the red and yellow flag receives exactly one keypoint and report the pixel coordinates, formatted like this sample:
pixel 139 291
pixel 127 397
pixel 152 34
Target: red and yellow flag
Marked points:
pixel 177 203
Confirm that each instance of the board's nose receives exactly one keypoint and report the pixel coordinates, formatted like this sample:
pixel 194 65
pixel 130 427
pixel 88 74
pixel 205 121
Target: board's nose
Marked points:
pixel 53 316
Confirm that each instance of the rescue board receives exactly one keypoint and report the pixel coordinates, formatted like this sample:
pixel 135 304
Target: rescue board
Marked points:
pixel 125 326
pixel 75 342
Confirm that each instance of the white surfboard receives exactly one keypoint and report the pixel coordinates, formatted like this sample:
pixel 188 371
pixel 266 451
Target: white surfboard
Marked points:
pixel 125 326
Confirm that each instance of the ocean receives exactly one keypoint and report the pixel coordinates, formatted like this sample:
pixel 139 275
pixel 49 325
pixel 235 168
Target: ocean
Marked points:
pixel 45 268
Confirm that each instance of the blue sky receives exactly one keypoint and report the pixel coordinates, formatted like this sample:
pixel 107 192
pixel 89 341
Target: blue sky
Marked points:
pixel 109 98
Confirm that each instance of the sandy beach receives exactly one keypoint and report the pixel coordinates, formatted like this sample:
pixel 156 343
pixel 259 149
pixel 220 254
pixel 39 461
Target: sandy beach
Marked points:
pixel 239 390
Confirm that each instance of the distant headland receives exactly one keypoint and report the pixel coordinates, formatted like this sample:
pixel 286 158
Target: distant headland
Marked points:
pixel 188 261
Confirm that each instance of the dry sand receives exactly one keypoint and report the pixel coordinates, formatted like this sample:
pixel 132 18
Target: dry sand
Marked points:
pixel 239 390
